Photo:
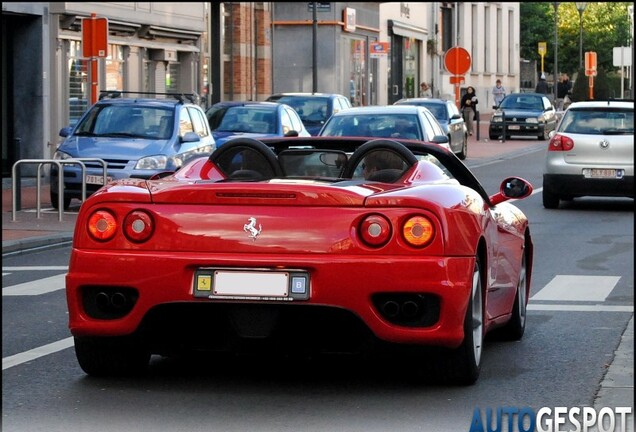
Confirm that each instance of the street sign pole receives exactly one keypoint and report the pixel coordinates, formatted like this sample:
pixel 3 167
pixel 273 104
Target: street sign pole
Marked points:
pixel 457 61
pixel 590 70
pixel 94 45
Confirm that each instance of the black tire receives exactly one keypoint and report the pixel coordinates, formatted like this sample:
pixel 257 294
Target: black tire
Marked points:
pixel 550 199
pixel 55 202
pixel 493 136
pixel 464 151
pixel 111 356
pixel 515 328
pixel 463 365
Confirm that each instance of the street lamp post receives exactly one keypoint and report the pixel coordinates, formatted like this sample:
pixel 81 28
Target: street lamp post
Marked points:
pixel 580 6
pixel 556 48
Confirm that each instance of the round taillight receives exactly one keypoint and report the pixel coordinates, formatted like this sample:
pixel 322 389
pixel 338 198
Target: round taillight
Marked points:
pixel 375 230
pixel 418 231
pixel 102 225
pixel 138 226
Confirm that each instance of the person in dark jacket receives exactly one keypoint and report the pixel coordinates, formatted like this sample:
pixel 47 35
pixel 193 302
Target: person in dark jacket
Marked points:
pixel 542 85
pixel 468 107
pixel 564 88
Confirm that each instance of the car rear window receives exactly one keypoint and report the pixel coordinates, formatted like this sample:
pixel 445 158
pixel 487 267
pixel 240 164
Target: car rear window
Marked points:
pixel 598 121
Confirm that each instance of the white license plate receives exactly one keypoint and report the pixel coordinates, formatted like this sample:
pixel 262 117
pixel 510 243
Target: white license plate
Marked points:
pixel 599 173
pixel 244 283
pixel 514 127
pixel 93 179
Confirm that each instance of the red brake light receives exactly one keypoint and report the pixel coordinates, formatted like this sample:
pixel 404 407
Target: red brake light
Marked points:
pixel 561 143
pixel 418 231
pixel 138 226
pixel 375 230
pixel 102 225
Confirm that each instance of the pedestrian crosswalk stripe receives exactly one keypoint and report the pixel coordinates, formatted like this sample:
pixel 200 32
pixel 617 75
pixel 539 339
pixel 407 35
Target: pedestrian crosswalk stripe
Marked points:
pixel 579 308
pixel 577 288
pixel 36 287
pixel 34 268
pixel 36 353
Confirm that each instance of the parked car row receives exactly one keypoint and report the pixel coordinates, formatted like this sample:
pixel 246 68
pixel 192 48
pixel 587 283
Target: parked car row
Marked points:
pixel 144 137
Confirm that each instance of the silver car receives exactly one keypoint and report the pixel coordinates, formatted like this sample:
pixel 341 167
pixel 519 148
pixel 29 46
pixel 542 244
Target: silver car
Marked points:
pixel 391 121
pixel 591 153
pixel 449 118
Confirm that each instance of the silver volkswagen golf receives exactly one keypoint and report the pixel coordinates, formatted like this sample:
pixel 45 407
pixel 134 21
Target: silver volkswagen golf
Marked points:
pixel 591 153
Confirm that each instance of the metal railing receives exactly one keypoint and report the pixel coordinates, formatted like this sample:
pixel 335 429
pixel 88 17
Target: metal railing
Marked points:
pixel 60 183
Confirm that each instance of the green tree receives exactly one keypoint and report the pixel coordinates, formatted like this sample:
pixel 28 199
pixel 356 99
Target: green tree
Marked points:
pixel 605 26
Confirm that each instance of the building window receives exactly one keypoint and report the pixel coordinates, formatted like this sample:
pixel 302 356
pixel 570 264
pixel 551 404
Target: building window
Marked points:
pixel 77 82
pixel 499 32
pixel 511 43
pixel 487 66
pixel 115 67
pixel 474 38
pixel 354 70
pixel 172 78
pixel 411 60
pixel 148 72
pixel 447 28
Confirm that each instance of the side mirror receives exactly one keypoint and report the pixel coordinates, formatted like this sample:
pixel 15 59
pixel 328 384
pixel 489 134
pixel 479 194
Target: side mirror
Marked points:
pixel 440 139
pixel 512 188
pixel 292 133
pixel 66 131
pixel 190 137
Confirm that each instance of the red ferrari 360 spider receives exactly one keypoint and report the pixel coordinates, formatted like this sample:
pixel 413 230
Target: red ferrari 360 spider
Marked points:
pixel 317 244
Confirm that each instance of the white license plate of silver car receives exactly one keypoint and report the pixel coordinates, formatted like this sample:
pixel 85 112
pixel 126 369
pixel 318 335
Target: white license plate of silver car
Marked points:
pixel 246 283
pixel 599 173
pixel 93 179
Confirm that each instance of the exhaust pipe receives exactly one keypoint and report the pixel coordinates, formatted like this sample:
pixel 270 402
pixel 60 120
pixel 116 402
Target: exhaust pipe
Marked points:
pixel 118 300
pixel 102 300
pixel 391 309
pixel 410 309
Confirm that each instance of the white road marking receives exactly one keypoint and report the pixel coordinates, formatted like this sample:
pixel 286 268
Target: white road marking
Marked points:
pixel 36 287
pixel 577 288
pixel 34 268
pixel 35 353
pixel 561 288
pixel 579 308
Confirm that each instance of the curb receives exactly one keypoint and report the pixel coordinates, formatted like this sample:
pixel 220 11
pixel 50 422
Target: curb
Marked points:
pixel 23 245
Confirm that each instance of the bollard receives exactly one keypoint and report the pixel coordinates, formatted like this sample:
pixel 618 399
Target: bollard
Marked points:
pixel 503 126
pixel 477 118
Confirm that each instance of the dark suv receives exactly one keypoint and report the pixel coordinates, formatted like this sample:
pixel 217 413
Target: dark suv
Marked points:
pixel 313 108
pixel 136 137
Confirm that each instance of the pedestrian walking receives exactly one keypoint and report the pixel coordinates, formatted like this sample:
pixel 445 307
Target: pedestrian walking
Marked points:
pixel 468 107
pixel 542 85
pixel 425 90
pixel 498 93
pixel 564 88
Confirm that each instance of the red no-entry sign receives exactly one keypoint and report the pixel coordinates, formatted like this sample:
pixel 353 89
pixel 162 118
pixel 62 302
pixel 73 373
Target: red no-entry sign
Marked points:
pixel 457 60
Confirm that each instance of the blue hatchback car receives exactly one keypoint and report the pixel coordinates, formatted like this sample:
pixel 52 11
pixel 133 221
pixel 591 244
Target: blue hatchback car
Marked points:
pixel 314 109
pixel 136 137
pixel 251 119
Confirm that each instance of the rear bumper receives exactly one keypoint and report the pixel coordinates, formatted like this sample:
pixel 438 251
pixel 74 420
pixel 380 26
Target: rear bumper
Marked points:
pixel 336 283
pixel 517 129
pixel 578 185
